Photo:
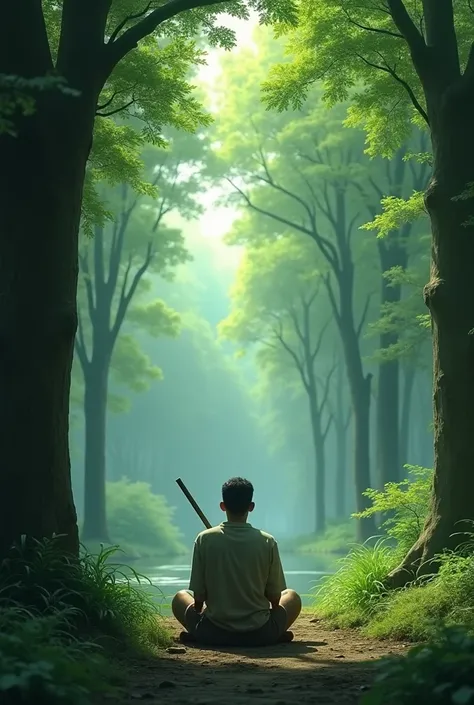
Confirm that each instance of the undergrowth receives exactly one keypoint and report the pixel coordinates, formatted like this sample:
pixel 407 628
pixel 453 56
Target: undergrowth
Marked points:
pixel 356 596
pixel 108 599
pixel 439 673
pixel 62 617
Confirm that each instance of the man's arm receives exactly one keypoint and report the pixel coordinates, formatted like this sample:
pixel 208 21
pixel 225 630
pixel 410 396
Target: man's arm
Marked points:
pixel 197 583
pixel 276 579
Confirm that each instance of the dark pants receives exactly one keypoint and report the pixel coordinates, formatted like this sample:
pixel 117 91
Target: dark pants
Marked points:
pixel 206 632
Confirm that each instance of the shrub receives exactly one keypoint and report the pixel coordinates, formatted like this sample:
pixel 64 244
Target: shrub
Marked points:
pixel 404 506
pixel 351 595
pixel 107 599
pixel 440 673
pixel 137 516
pixel 41 664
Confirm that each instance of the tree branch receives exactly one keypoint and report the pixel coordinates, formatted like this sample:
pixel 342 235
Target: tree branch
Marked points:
pixel 109 113
pixel 332 299
pixel 402 82
pixel 122 45
pixel 127 296
pixel 319 342
pixel 126 20
pixel 377 30
pixel 364 314
pixel 278 333
pixel 410 32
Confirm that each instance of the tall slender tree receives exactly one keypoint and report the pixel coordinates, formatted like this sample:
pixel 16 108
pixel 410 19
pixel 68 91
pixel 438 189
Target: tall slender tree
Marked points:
pixel 275 304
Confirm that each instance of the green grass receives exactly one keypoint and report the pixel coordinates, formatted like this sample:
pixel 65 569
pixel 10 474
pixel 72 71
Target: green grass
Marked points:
pixel 334 540
pixel 356 596
pixel 62 619
pixel 107 597
pixel 351 595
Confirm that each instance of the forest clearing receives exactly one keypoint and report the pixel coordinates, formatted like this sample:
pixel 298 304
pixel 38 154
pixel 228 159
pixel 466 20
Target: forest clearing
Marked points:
pixel 236 247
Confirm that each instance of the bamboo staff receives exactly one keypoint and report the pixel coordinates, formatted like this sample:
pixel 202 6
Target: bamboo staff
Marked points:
pixel 193 503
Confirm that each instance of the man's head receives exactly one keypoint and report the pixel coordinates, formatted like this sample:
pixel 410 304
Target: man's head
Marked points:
pixel 237 496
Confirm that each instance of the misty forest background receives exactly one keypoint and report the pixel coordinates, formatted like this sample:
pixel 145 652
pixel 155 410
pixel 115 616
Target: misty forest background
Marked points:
pixel 250 305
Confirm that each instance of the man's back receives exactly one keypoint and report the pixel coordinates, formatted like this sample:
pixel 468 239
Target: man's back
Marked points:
pixel 235 567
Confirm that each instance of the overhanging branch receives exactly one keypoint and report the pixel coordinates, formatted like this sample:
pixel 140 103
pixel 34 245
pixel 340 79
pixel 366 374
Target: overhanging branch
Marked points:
pixel 122 45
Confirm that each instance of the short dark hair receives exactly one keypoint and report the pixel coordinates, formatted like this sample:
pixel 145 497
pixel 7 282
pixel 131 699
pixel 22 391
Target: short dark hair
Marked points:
pixel 237 495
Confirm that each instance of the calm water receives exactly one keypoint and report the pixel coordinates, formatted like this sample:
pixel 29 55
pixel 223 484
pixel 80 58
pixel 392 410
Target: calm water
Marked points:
pixel 302 574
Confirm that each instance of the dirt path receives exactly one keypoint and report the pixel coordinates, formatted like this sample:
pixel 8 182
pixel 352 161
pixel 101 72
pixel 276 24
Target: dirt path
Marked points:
pixel 319 667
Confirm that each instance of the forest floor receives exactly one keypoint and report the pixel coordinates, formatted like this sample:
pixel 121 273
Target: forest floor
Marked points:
pixel 321 666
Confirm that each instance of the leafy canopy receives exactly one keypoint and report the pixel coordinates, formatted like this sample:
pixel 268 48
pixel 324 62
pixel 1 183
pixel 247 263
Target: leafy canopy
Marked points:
pixel 356 50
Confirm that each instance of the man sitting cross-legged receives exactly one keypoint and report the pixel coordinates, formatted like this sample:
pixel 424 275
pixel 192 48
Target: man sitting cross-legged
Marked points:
pixel 240 595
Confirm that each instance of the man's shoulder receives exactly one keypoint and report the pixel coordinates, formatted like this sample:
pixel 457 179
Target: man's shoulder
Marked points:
pixel 265 535
pixel 203 535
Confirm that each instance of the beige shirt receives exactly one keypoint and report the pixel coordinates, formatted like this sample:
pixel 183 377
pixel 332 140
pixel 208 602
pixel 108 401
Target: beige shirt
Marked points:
pixel 234 568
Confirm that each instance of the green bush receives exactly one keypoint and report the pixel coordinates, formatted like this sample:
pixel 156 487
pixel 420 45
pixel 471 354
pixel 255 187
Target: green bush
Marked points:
pixel 335 539
pixel 440 673
pixel 350 596
pixel 107 599
pixel 404 506
pixel 138 517
pixel 41 664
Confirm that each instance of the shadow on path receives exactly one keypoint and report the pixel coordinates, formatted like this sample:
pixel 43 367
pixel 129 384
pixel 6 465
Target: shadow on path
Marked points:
pixel 320 667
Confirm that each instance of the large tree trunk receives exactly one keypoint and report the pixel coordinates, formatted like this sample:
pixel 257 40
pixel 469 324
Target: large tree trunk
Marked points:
pixel 450 298
pixel 95 415
pixel 391 254
pixel 43 169
pixel 409 375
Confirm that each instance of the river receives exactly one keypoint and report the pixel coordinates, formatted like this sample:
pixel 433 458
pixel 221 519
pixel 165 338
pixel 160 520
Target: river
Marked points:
pixel 302 572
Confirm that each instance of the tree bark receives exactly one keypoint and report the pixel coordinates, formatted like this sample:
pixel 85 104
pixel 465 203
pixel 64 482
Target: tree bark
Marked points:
pixel 40 204
pixel 450 298
pixel 95 415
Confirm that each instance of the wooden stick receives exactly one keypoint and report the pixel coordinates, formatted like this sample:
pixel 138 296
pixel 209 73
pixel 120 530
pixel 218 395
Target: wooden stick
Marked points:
pixel 193 503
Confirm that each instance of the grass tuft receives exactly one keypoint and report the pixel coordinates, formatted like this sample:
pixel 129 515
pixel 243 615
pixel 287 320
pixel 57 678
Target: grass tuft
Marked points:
pixel 348 597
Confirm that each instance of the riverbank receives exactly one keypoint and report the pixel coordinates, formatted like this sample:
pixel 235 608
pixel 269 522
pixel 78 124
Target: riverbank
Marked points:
pixel 321 666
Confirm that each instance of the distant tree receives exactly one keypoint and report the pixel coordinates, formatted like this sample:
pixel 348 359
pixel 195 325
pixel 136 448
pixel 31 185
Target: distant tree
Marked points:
pixel 274 305
pixel 114 266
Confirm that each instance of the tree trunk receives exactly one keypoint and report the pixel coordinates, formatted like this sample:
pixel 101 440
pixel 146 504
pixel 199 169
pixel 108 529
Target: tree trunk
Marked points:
pixel 95 415
pixel 341 423
pixel 450 298
pixel 43 170
pixel 360 388
pixel 408 383
pixel 319 465
pixel 392 254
